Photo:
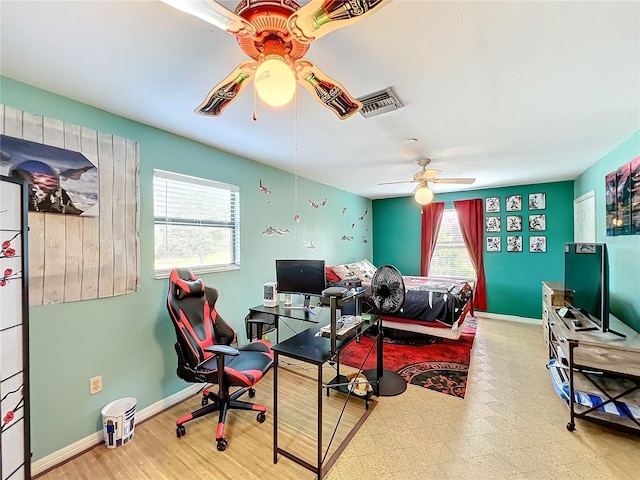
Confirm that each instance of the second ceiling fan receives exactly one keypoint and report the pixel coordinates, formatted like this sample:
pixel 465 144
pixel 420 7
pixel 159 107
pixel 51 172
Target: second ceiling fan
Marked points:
pixel 426 176
pixel 276 35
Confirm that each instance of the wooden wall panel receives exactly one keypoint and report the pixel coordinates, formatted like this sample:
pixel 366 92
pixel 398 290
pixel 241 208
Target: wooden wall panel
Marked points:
pixel 54 257
pixel 105 153
pixel 73 231
pixel 79 257
pixel 91 226
pixel 118 222
pixel 131 214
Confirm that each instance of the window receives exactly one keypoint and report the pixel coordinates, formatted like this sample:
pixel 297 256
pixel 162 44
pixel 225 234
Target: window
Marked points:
pixel 450 257
pixel 196 224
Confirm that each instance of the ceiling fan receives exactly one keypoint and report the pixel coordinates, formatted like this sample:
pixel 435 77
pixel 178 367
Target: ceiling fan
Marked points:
pixel 276 35
pixel 424 177
pixel 430 175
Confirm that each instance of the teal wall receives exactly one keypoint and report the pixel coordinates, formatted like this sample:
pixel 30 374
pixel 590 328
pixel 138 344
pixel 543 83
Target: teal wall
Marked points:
pixel 129 339
pixel 624 250
pixel 513 278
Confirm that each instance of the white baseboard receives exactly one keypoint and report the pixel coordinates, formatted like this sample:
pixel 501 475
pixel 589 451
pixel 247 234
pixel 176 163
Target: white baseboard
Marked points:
pixel 50 461
pixel 509 318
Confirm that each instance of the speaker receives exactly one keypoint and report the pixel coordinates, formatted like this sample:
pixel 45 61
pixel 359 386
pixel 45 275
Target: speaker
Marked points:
pixel 271 298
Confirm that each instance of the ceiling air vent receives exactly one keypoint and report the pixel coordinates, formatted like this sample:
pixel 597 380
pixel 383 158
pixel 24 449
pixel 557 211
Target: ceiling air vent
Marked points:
pixel 379 102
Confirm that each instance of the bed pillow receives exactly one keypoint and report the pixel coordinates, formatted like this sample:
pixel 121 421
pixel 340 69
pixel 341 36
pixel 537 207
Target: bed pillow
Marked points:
pixel 363 269
pixel 344 273
pixel 331 275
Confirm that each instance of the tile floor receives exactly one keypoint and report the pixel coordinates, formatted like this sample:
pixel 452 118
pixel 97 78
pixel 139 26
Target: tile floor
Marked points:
pixel 511 425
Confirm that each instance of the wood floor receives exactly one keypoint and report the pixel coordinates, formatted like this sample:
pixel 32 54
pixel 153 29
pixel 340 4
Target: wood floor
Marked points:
pixel 156 453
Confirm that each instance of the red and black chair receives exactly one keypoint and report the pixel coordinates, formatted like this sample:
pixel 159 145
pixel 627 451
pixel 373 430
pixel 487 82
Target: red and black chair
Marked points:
pixel 205 355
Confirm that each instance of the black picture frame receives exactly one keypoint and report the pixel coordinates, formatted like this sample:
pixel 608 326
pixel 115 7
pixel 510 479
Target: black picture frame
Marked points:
pixel 492 204
pixel 513 203
pixel 514 223
pixel 514 243
pixel 537 244
pixel 537 222
pixel 494 244
pixel 537 201
pixel 492 224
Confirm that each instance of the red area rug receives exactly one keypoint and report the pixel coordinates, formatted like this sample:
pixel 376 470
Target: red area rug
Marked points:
pixel 430 362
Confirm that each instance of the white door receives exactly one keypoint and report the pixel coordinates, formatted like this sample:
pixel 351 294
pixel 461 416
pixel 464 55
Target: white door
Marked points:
pixel 584 218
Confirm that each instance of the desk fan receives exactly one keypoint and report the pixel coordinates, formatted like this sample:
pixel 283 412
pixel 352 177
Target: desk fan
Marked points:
pixel 387 295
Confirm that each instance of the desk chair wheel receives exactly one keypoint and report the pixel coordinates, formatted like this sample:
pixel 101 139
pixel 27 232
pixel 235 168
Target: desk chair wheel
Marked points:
pixel 180 431
pixel 571 426
pixel 204 401
pixel 222 444
pixel 261 417
pixel 252 392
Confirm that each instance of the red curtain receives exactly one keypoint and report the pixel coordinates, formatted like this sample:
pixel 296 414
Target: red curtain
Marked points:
pixel 470 216
pixel 431 218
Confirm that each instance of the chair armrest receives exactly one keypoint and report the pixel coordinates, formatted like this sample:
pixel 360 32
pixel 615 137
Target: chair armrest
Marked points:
pixel 223 349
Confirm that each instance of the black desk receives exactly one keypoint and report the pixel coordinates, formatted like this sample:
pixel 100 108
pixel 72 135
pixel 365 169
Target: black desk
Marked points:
pixel 316 350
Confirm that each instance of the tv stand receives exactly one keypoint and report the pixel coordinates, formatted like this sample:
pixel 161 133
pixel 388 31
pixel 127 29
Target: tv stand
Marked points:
pixel 622 335
pixel 596 363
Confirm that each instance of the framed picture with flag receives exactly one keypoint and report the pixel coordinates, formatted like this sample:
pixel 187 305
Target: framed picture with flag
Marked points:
pixel 60 181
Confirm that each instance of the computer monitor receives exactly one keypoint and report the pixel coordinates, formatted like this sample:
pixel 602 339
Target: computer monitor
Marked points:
pixel 301 277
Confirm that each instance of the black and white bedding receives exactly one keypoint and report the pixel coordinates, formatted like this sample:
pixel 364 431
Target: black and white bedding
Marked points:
pixel 435 300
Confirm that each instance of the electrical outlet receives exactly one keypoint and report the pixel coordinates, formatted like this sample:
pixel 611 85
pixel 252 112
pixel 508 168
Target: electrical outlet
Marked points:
pixel 95 384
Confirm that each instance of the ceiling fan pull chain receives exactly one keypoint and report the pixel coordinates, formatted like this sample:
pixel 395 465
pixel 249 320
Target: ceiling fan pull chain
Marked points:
pixel 296 217
pixel 255 104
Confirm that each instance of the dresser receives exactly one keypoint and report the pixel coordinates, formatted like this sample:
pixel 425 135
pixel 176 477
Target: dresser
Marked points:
pixel 552 296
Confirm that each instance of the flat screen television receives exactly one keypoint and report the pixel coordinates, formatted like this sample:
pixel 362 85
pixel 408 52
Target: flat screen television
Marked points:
pixel 301 277
pixel 586 281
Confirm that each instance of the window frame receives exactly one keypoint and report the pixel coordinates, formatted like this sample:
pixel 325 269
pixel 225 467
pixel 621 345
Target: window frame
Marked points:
pixel 453 212
pixel 233 224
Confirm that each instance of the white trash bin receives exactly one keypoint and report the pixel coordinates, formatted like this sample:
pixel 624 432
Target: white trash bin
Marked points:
pixel 118 421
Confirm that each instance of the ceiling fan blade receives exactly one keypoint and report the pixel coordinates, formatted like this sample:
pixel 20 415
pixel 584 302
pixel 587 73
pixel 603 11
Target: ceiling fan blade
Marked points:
pixel 428 174
pixel 319 17
pixel 326 90
pixel 453 180
pixel 212 12
pixel 228 90
pixel 395 183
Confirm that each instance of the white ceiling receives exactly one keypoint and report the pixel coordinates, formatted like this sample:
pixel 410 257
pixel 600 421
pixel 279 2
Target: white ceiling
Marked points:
pixel 509 92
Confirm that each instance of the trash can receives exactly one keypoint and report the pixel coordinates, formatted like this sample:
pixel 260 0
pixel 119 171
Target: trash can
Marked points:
pixel 118 421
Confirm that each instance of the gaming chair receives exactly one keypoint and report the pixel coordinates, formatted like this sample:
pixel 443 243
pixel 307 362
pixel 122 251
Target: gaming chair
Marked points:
pixel 205 355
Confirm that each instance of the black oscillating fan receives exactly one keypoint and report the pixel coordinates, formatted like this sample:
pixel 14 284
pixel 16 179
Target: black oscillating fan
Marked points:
pixel 387 295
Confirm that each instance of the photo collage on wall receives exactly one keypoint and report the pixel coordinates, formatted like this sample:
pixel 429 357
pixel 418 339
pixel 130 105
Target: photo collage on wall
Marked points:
pixel 622 199
pixel 514 221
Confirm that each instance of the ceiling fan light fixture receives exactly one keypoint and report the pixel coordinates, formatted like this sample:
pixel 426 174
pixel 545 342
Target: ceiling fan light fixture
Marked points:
pixel 423 195
pixel 275 81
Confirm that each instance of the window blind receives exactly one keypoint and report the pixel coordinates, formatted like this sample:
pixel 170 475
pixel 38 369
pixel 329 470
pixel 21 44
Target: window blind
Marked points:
pixel 196 223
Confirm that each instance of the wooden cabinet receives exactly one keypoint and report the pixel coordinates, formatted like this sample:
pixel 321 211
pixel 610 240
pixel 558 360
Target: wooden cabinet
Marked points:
pixel 552 296
pixel 600 365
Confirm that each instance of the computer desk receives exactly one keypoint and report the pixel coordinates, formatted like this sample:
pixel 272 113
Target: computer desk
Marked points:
pixel 314 349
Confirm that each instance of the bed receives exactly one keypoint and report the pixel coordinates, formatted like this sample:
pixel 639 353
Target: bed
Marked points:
pixel 437 306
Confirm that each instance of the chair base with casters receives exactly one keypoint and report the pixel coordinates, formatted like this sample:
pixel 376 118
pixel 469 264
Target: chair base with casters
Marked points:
pixel 212 402
pixel 205 354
